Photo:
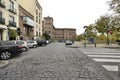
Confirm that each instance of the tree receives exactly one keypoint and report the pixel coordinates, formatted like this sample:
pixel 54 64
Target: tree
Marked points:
pixel 12 34
pixel 46 36
pixel 90 31
pixel 115 5
pixel 80 37
pixel 102 25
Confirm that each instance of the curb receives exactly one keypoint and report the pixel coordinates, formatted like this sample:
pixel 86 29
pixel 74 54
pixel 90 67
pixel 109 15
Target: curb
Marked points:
pixel 71 46
pixel 3 64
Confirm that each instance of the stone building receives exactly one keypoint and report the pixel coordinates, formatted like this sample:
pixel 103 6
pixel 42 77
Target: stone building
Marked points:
pixel 8 19
pixel 57 33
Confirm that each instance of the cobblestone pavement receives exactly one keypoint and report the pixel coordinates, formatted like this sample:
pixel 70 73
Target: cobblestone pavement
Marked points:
pixel 55 62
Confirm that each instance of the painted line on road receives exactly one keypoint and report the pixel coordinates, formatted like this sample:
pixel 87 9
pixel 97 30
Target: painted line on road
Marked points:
pixel 106 60
pixel 102 56
pixel 110 67
pixel 99 53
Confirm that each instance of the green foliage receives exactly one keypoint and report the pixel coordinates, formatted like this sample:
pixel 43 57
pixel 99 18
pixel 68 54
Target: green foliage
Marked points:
pixel 46 36
pixel 101 37
pixel 80 37
pixel 102 25
pixel 90 31
pixel 12 33
pixel 115 5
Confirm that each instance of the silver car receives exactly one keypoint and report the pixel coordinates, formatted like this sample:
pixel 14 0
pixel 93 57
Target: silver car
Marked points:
pixel 68 42
pixel 32 44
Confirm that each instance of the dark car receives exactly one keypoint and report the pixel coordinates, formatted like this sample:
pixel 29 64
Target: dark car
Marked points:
pixel 7 51
pixel 41 42
pixel 118 42
pixel 19 42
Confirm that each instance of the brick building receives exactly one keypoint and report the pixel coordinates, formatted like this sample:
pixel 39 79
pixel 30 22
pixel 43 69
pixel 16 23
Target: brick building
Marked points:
pixel 57 33
pixel 26 23
pixel 33 13
pixel 47 26
pixel 65 34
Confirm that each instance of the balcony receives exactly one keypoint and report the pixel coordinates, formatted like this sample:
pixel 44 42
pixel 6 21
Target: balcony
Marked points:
pixel 13 10
pixel 2 20
pixel 12 23
pixel 28 21
pixel 2 4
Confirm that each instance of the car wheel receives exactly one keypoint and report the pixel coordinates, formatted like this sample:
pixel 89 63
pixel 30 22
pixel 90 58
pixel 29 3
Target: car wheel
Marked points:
pixel 34 46
pixel 5 55
pixel 24 49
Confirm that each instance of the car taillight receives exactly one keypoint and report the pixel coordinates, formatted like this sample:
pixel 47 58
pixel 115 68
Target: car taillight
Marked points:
pixel 19 46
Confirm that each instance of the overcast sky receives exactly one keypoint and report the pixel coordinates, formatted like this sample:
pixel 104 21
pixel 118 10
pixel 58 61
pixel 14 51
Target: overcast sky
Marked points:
pixel 74 13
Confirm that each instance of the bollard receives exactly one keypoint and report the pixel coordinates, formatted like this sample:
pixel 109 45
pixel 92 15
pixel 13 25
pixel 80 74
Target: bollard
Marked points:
pixel 118 69
pixel 95 44
pixel 84 44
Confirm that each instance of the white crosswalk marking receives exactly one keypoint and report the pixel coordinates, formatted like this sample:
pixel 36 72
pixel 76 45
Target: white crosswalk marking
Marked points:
pixel 109 58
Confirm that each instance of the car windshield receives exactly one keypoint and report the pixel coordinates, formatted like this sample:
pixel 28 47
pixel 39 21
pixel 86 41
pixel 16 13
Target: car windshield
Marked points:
pixel 10 43
pixel 19 42
pixel 2 42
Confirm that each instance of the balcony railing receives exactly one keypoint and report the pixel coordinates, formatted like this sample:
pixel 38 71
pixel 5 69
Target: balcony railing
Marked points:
pixel 13 10
pixel 12 23
pixel 28 21
pixel 2 20
pixel 2 4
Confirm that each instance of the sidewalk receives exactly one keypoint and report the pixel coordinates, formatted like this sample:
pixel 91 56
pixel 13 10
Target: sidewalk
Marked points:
pixel 80 44
pixel 3 63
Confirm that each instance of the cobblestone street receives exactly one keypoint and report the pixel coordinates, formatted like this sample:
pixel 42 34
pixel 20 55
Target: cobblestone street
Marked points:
pixel 54 62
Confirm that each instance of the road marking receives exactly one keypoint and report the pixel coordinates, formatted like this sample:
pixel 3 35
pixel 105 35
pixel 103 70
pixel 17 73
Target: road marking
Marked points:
pixel 111 68
pixel 99 53
pixel 102 56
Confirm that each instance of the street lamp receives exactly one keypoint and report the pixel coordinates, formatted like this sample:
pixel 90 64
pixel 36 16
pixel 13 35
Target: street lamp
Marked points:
pixel 85 33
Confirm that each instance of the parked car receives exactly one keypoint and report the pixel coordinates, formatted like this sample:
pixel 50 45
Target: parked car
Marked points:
pixel 118 42
pixel 19 42
pixel 41 42
pixel 7 51
pixel 32 43
pixel 68 42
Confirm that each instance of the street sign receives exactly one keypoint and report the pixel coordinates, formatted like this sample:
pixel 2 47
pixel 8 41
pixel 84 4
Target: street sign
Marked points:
pixel 110 31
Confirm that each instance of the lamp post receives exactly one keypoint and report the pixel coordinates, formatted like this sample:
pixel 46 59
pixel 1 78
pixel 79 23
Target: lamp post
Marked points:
pixel 85 33
pixel 95 31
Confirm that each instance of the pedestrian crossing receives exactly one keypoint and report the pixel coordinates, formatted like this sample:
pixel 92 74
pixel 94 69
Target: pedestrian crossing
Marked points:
pixel 108 58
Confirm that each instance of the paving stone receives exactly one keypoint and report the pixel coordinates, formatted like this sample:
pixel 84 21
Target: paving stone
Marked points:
pixel 54 62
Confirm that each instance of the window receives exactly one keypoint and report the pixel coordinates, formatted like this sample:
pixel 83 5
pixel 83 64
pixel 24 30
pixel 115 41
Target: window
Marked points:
pixel 39 14
pixel 39 21
pixel 11 18
pixel 36 19
pixel 11 5
pixel 36 33
pixel 0 14
pixel 36 12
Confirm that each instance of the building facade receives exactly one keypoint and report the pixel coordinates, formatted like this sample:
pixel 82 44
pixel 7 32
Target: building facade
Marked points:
pixel 58 33
pixel 48 26
pixel 38 19
pixel 8 19
pixel 26 24
pixel 65 34
pixel 35 9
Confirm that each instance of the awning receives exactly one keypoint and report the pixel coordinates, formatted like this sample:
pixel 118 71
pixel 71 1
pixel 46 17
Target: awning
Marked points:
pixel 2 28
